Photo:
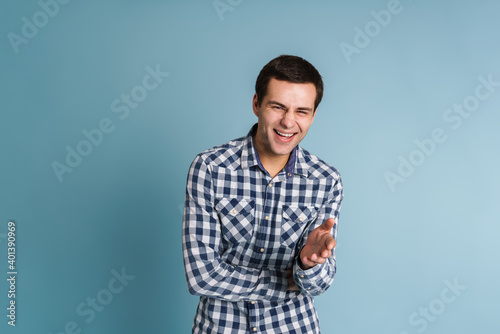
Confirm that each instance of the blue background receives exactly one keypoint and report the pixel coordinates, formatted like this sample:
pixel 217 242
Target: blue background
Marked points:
pixel 121 206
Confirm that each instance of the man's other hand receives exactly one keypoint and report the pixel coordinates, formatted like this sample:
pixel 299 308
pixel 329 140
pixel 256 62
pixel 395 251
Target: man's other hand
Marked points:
pixel 318 246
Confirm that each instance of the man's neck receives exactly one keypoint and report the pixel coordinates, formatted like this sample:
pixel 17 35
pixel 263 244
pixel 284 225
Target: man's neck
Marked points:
pixel 273 164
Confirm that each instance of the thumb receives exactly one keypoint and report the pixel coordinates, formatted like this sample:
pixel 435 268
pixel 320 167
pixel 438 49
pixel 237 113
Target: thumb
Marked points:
pixel 328 224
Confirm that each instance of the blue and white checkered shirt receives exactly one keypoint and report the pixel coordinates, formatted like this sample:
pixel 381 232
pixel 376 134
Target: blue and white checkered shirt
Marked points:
pixel 243 229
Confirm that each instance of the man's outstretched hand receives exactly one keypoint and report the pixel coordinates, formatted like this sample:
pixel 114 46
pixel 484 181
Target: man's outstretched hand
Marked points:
pixel 318 246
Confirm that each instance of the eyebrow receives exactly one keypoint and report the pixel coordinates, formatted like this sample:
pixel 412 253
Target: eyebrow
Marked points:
pixel 285 107
pixel 277 103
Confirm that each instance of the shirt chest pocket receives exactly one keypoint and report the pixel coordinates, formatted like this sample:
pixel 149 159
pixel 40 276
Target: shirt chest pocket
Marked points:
pixel 294 221
pixel 237 219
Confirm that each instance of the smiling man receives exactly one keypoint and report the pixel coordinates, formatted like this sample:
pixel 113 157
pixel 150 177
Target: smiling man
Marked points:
pixel 260 218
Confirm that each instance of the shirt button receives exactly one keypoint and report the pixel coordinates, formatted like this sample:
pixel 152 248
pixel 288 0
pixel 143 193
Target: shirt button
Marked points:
pixel 270 184
pixel 301 276
pixel 309 288
pixel 234 211
pixel 267 217
pixel 262 250
pixel 255 329
pixel 301 219
pixel 252 302
pixel 289 174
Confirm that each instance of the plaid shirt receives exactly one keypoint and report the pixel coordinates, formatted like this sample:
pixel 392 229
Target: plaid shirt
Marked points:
pixel 243 229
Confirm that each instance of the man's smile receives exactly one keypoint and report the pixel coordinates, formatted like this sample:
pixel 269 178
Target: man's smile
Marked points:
pixel 284 135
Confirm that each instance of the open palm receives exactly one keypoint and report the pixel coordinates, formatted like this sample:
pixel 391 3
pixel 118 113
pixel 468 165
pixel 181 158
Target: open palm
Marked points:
pixel 318 246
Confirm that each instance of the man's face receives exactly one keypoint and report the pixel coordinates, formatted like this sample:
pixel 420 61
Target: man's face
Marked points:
pixel 285 115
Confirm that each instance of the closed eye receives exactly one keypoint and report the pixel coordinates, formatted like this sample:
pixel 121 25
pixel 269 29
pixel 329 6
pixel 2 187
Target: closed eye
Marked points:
pixel 303 111
pixel 276 105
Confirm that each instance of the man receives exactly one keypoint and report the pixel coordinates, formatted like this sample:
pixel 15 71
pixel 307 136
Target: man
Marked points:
pixel 260 215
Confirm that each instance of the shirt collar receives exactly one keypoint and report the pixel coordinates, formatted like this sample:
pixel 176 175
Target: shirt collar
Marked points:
pixel 248 154
pixel 301 164
pixel 249 157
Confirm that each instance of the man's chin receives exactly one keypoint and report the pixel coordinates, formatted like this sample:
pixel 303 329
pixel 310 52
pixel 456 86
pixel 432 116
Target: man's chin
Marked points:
pixel 282 151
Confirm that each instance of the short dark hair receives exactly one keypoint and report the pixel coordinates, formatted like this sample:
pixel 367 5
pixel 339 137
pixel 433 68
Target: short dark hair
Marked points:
pixel 292 69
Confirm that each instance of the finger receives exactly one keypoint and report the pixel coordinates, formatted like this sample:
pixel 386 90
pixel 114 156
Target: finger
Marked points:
pixel 308 262
pixel 330 243
pixel 328 224
pixel 314 257
pixel 326 254
pixel 319 260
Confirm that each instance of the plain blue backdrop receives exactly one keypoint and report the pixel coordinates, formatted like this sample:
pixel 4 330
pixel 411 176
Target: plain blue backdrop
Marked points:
pixel 417 217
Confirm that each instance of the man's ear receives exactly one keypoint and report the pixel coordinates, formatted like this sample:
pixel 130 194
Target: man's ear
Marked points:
pixel 255 105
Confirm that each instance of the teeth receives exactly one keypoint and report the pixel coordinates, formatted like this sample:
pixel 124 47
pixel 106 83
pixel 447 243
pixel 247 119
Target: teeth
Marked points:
pixel 284 134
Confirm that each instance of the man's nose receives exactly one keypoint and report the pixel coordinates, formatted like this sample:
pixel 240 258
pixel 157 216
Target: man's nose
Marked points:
pixel 288 119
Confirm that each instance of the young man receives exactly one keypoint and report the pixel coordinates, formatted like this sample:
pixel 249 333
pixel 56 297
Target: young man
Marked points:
pixel 260 215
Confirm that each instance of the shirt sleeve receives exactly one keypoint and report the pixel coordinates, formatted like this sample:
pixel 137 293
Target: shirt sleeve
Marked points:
pixel 206 273
pixel 316 280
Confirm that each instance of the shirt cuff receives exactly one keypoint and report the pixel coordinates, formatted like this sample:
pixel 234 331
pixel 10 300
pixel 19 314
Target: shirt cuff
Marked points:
pixel 305 279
